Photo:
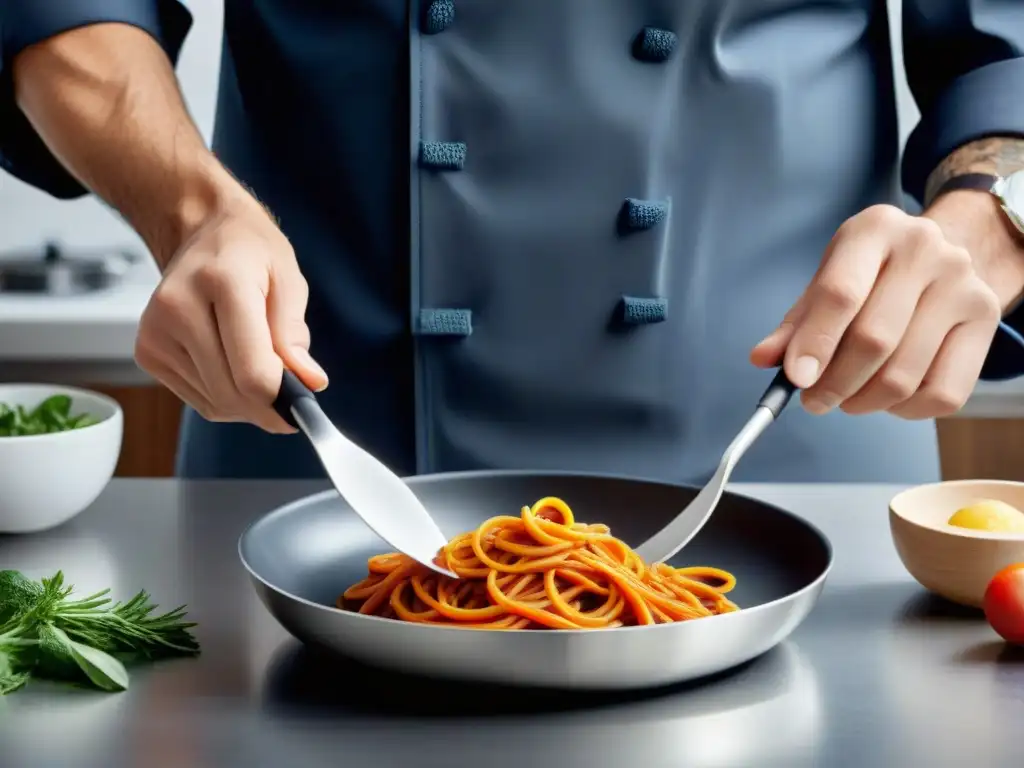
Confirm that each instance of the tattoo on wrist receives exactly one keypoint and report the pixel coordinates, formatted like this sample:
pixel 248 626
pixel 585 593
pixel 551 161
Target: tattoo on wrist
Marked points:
pixel 999 155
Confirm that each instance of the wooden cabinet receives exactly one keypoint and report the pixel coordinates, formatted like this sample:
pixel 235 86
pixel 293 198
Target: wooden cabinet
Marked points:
pixel 992 449
pixel 152 415
pixel 970 448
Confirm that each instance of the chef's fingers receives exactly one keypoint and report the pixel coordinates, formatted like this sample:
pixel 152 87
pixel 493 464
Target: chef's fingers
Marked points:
pixel 769 351
pixel 876 331
pixel 952 375
pixel 190 396
pixel 156 349
pixel 286 311
pixel 197 332
pixel 173 368
pixel 834 298
pixel 250 362
pixel 903 373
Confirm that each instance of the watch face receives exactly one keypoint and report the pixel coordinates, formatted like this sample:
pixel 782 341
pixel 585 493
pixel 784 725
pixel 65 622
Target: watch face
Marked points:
pixel 1011 192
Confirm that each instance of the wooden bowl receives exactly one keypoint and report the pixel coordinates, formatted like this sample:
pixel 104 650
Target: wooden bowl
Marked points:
pixel 956 563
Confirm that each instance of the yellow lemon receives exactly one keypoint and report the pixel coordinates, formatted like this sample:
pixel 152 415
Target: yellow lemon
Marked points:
pixel 989 515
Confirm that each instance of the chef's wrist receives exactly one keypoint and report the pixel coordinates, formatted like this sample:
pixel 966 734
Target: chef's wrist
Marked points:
pixel 974 220
pixel 205 191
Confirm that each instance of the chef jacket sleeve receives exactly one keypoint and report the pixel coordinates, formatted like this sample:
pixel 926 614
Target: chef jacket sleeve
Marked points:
pixel 965 66
pixel 26 22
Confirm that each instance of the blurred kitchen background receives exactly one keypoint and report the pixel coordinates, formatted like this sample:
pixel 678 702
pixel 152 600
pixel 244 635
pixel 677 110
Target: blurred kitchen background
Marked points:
pixel 87 339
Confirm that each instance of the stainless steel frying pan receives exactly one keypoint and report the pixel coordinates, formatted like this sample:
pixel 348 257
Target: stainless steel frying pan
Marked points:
pixel 302 556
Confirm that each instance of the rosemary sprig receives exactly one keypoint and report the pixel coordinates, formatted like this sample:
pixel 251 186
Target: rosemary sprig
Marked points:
pixel 46 633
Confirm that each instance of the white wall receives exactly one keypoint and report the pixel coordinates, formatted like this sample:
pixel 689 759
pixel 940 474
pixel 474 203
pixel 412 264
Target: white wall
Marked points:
pixel 29 217
pixel 905 106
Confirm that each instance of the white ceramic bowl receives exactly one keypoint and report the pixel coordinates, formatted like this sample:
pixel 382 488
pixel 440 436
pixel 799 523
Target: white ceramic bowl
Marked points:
pixel 45 480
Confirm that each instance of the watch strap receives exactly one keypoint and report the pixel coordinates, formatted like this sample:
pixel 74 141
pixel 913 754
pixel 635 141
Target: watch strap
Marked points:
pixel 982 182
pixel 994 185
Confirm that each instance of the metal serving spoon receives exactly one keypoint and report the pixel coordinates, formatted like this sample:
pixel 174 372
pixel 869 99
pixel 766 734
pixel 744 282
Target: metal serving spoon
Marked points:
pixel 678 533
pixel 377 495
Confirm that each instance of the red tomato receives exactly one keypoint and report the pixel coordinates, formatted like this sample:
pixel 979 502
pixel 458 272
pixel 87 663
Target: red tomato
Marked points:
pixel 1004 603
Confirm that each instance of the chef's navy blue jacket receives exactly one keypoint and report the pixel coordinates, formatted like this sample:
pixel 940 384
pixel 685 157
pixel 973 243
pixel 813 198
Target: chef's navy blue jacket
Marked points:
pixel 545 234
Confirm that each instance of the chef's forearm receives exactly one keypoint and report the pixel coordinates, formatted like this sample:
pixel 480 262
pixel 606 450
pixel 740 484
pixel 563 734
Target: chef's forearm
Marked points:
pixel 105 100
pixel 974 220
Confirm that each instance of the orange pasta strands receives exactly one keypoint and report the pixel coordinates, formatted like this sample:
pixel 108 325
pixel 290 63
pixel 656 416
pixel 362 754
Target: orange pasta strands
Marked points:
pixel 541 570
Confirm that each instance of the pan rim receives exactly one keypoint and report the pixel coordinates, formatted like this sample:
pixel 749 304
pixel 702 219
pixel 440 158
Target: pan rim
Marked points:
pixel 316 498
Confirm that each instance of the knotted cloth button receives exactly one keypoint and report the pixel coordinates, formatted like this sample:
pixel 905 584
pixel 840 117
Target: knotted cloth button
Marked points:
pixel 443 155
pixel 641 214
pixel 641 311
pixel 654 45
pixel 439 16
pixel 445 322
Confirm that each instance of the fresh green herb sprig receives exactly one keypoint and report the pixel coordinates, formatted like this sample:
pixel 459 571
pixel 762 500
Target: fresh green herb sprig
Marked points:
pixel 51 415
pixel 45 633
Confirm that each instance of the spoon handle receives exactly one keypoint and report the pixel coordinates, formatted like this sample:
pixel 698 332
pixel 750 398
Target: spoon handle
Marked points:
pixel 778 394
pixel 677 534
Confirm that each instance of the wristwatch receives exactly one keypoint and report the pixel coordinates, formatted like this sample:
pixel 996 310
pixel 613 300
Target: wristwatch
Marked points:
pixel 1008 190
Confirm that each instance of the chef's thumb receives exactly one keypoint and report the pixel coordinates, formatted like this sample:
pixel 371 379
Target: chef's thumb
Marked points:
pixel 286 314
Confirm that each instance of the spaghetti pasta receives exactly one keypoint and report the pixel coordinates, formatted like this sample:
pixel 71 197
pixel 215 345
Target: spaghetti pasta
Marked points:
pixel 541 570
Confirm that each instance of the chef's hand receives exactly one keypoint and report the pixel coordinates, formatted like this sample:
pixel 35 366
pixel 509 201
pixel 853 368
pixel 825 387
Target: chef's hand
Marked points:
pixel 228 314
pixel 896 319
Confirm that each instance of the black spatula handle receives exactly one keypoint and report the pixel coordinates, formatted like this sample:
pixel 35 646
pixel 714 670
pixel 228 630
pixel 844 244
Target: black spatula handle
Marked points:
pixel 291 392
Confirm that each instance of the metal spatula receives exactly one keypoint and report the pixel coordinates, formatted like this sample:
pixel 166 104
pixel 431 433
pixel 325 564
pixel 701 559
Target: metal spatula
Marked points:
pixel 678 533
pixel 376 494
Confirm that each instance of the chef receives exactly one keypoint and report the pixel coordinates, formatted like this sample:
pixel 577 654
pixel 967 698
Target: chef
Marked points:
pixel 550 233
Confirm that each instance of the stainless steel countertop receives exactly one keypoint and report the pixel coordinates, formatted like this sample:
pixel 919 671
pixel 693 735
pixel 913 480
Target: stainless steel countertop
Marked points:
pixel 879 675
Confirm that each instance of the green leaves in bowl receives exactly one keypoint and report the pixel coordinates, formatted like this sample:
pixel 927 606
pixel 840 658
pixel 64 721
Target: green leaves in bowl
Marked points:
pixel 51 415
